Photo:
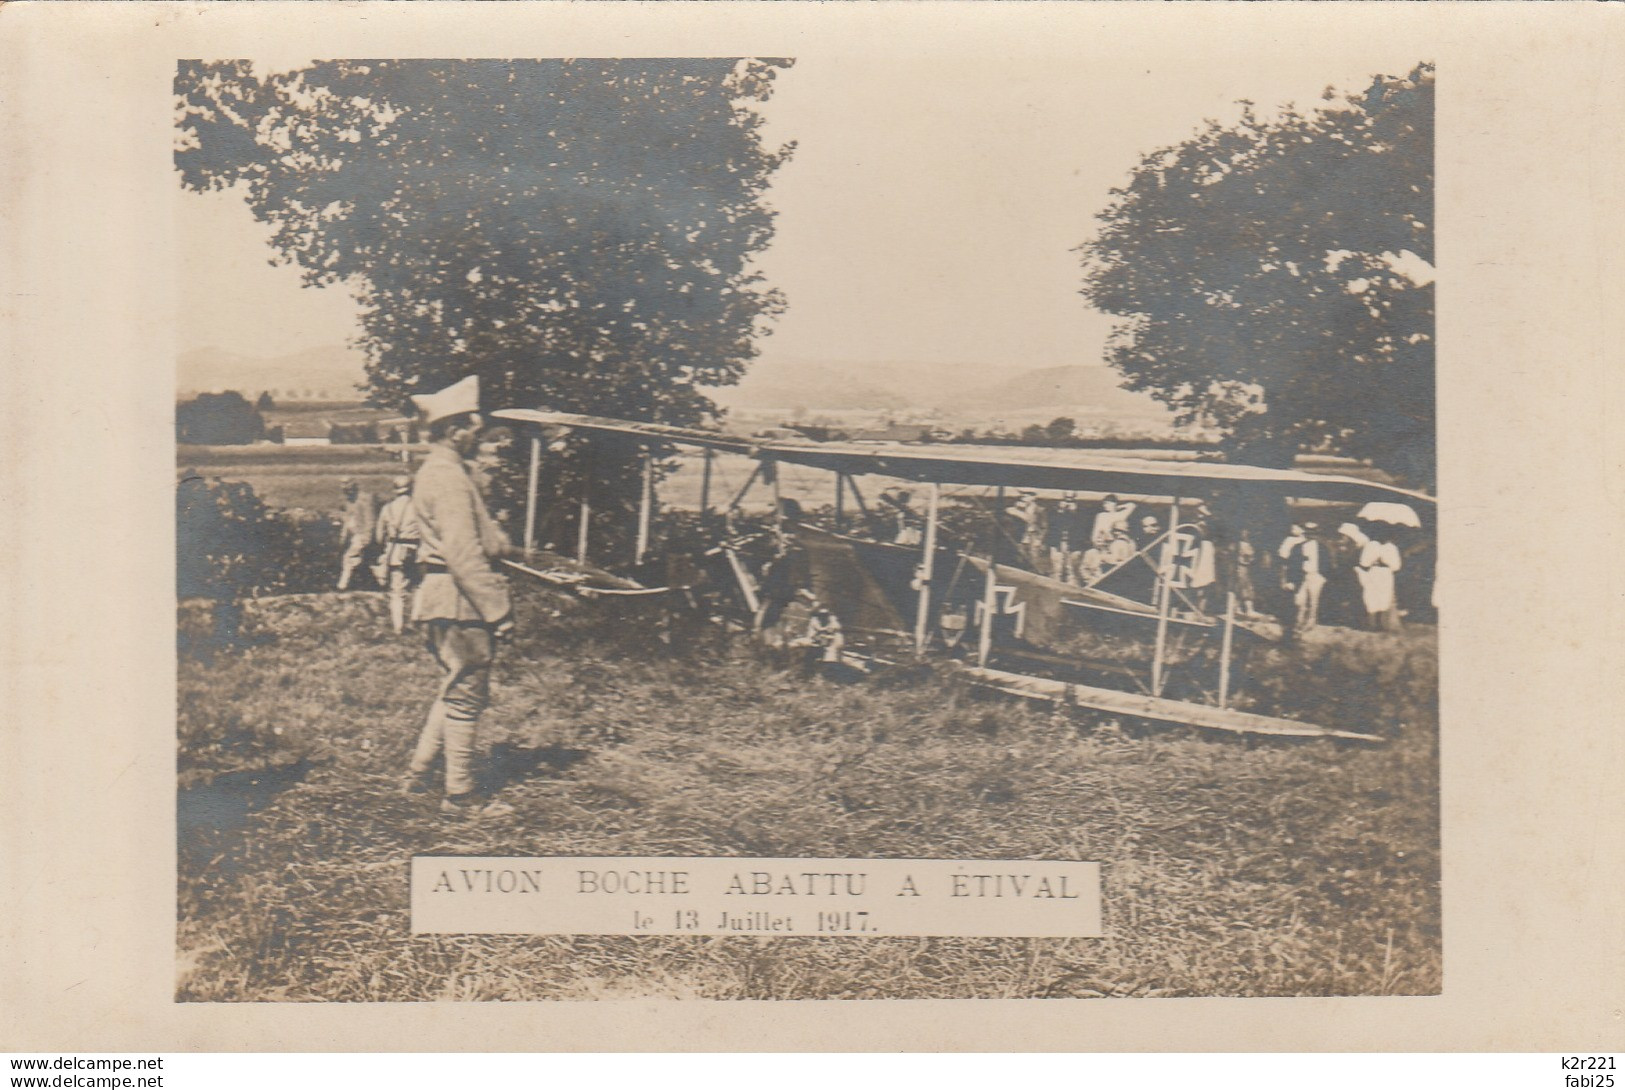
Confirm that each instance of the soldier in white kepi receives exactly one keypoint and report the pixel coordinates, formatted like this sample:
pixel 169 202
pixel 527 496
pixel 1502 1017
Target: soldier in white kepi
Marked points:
pixel 463 601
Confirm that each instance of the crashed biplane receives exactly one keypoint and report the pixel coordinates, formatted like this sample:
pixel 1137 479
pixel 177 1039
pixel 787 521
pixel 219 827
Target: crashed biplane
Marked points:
pixel 1134 640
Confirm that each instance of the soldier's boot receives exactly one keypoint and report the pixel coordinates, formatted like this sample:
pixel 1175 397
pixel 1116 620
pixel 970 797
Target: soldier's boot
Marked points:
pixel 474 806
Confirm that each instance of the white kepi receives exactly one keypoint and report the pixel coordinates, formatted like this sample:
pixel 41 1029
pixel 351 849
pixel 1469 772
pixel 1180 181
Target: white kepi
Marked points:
pixel 1396 514
pixel 462 396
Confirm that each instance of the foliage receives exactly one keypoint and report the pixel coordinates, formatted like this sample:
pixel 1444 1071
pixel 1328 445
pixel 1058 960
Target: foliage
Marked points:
pixel 363 431
pixel 576 232
pixel 1057 433
pixel 229 545
pixel 1276 278
pixel 224 419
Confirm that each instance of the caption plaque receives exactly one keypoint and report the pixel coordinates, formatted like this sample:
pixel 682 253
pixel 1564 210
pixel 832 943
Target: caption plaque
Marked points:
pixel 658 895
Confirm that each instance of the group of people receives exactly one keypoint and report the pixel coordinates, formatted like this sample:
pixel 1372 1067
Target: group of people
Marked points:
pixel 389 537
pixel 1358 562
pixel 1075 545
pixel 1122 553
pixel 1117 546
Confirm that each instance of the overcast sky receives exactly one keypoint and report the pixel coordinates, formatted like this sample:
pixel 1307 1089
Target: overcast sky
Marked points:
pixel 929 212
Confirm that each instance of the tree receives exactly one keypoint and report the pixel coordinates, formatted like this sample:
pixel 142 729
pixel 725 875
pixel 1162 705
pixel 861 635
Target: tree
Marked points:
pixel 1276 278
pixel 265 404
pixel 218 419
pixel 577 233
pixel 1061 430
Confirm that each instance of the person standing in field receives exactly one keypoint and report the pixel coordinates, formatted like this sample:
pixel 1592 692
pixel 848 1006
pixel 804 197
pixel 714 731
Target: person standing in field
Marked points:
pixel 1241 583
pixel 907 524
pixel 463 601
pixel 1063 538
pixel 397 539
pixel 355 530
pixel 1112 517
pixel 1202 570
pixel 1302 574
pixel 1375 568
pixel 1035 526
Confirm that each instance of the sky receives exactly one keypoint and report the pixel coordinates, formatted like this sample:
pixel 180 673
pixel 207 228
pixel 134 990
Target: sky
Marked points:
pixel 930 211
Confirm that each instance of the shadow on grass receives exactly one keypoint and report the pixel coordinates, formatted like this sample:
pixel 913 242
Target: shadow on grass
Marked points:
pixel 511 764
pixel 210 818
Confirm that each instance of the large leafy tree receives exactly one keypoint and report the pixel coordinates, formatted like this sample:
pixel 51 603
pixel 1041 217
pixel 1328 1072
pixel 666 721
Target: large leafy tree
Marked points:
pixel 577 233
pixel 1275 275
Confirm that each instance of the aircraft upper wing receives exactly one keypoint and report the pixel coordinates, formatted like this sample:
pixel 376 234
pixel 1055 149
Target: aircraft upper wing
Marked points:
pixel 1062 469
pixel 609 426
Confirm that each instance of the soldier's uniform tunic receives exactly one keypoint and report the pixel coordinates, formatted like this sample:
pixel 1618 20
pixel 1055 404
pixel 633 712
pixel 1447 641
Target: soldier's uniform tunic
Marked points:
pixel 356 533
pixel 460 601
pixel 398 541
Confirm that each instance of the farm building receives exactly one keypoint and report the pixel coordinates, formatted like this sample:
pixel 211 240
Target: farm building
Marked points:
pixel 306 433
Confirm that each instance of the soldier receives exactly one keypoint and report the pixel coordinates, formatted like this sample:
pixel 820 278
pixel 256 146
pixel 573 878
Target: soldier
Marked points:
pixel 397 540
pixel 1302 574
pixel 463 600
pixel 355 530
pixel 823 638
pixel 1113 516
pixel 1063 538
pixel 907 523
pixel 1035 524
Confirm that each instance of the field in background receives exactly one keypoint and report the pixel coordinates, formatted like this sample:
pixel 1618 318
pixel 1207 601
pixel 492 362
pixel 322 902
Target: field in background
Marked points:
pixel 308 477
pixel 300 477
pixel 1230 867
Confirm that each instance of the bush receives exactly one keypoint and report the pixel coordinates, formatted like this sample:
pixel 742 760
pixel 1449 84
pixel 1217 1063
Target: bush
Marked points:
pixel 225 419
pixel 229 545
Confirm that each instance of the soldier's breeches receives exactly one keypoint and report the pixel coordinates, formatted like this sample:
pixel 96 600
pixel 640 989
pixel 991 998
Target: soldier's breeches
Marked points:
pixel 400 591
pixel 464 650
pixel 353 553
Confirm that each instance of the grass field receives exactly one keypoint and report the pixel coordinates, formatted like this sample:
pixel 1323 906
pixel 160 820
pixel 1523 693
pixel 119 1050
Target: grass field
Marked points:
pixel 298 477
pixel 1230 867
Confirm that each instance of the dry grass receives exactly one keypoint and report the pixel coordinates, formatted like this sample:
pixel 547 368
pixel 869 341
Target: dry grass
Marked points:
pixel 1230 868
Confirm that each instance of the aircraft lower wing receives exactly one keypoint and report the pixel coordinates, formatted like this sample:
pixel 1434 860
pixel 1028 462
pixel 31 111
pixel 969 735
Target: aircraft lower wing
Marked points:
pixel 584 580
pixel 1142 706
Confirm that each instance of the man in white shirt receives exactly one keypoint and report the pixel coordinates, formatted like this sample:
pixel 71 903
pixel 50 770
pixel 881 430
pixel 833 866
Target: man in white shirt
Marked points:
pixel 1114 515
pixel 1302 573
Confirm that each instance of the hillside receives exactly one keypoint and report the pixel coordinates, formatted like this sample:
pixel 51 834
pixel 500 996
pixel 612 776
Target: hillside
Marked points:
pixel 1094 388
pixel 786 383
pixel 332 372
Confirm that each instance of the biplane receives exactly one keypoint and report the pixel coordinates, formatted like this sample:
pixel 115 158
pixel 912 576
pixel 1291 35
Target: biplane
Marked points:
pixel 1142 636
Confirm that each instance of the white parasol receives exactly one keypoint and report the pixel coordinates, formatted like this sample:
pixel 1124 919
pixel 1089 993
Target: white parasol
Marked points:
pixel 1397 514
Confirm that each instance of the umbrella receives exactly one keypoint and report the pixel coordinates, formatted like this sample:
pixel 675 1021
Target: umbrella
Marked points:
pixel 1397 514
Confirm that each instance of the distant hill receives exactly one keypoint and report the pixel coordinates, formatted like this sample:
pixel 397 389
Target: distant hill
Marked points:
pixel 332 372
pixel 1074 388
pixel 326 373
pixel 788 383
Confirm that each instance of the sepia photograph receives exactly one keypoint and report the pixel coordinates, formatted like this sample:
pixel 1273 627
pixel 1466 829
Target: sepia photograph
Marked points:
pixel 798 527
pixel 900 527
